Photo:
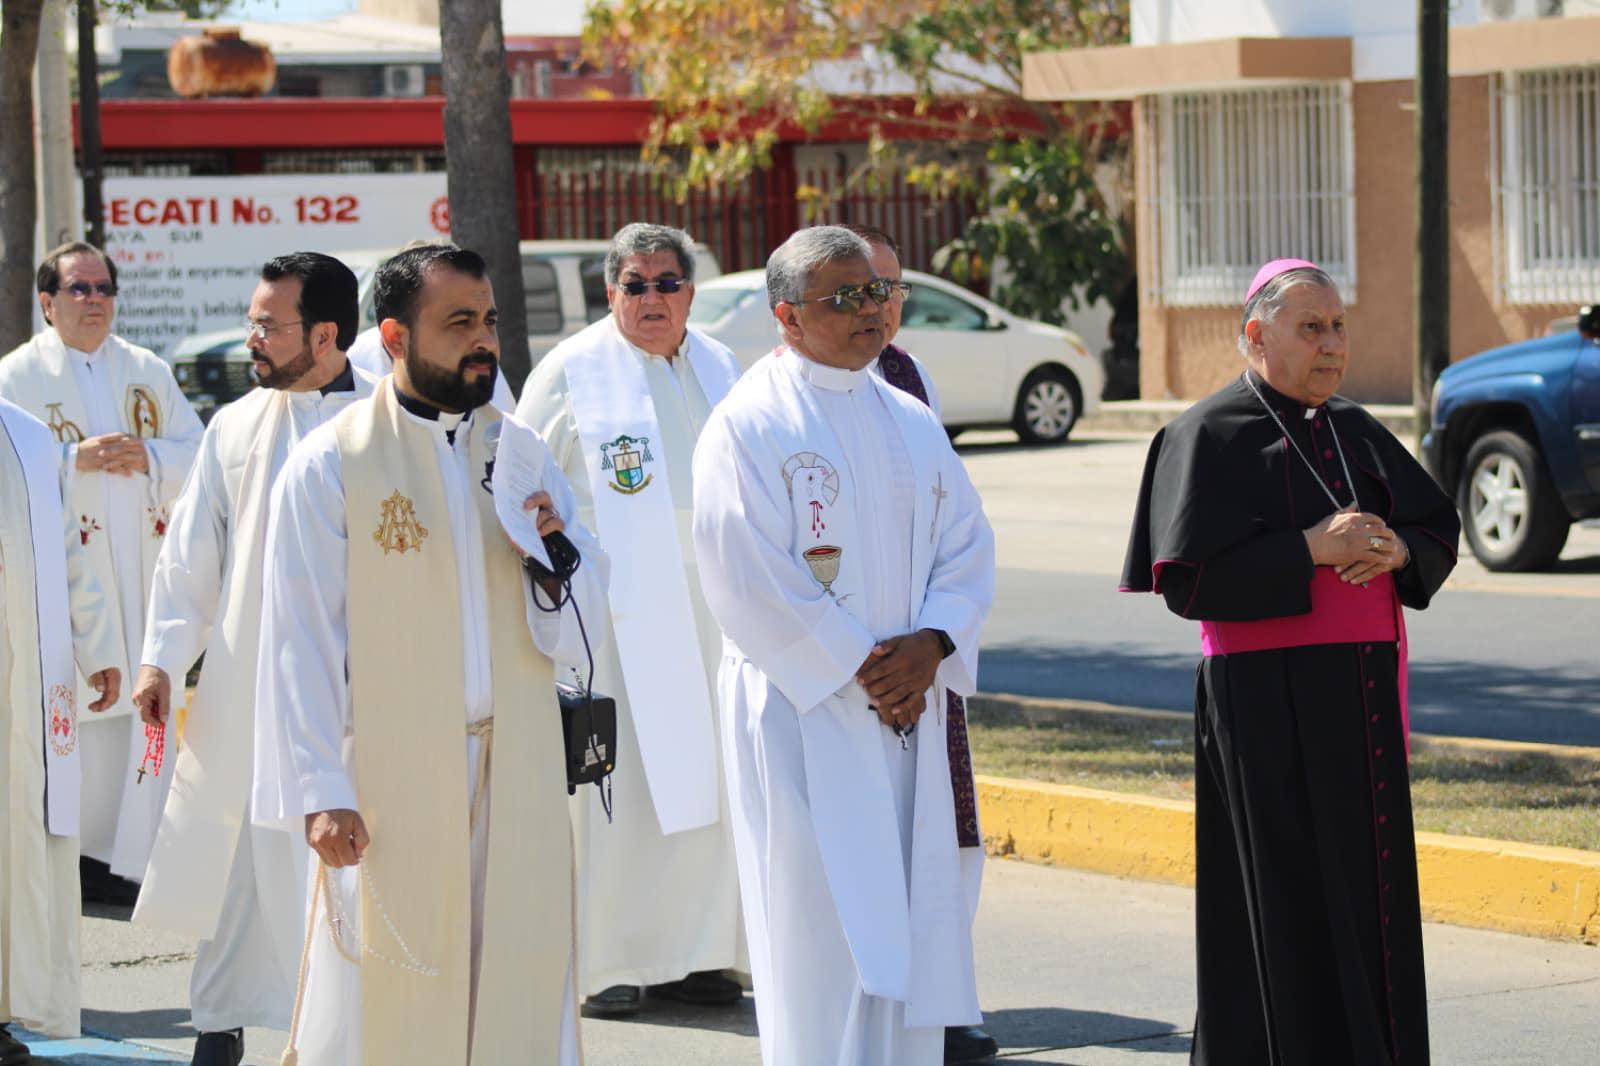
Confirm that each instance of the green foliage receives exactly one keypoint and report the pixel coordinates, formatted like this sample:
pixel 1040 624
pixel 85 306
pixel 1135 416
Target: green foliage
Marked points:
pixel 1048 219
pixel 732 78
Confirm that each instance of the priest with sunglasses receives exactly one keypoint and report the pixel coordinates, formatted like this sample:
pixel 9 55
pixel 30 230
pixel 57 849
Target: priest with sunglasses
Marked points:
pixel 621 405
pixel 847 558
pixel 127 437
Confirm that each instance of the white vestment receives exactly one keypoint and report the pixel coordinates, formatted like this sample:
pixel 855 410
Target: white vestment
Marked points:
pixel 305 749
pixel 658 888
pixel 368 353
pixel 122 520
pixel 52 611
pixel 831 513
pixel 237 887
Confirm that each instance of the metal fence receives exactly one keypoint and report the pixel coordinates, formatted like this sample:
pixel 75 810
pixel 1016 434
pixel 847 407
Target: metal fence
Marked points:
pixel 1548 197
pixel 590 194
pixel 1220 214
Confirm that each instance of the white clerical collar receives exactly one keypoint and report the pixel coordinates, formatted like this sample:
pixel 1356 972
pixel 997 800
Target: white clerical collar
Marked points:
pixel 682 352
pixel 831 378
pixel 79 354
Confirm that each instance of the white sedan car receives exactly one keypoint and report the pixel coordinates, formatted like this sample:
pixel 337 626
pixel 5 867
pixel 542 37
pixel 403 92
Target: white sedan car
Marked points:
pixel 991 368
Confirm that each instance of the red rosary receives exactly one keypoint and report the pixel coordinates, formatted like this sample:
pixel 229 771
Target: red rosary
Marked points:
pixel 155 750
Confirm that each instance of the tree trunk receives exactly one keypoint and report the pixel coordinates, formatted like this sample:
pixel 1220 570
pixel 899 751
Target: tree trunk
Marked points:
pixel 19 207
pixel 481 177
pixel 94 215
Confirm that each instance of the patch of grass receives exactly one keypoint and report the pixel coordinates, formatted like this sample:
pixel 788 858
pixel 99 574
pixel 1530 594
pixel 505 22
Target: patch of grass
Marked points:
pixel 1528 797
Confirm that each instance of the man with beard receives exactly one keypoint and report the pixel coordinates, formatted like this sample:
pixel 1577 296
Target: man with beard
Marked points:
pixel 368 353
pixel 238 889
pixel 127 437
pixel 406 676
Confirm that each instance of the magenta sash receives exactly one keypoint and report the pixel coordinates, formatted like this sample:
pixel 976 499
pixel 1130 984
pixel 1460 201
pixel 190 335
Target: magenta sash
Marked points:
pixel 1341 613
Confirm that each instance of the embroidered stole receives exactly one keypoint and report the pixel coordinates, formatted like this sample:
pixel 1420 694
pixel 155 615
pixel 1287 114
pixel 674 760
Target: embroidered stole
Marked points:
pixel 899 370
pixel 651 612
pixel 407 680
pixel 37 548
pixel 200 826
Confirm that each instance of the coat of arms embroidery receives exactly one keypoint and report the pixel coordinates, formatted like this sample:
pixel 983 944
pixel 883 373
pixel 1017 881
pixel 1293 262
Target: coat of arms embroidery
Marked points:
pixel 65 429
pixel 144 415
pixel 87 526
pixel 159 517
pixel 625 458
pixel 62 706
pixel 398 529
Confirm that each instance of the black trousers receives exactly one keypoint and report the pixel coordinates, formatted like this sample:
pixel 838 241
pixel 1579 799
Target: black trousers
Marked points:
pixel 1309 933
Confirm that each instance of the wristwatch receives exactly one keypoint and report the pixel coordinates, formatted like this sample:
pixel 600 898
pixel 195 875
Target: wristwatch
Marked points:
pixel 946 645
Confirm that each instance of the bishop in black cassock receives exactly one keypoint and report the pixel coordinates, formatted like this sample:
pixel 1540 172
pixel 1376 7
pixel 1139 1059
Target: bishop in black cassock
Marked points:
pixel 1293 527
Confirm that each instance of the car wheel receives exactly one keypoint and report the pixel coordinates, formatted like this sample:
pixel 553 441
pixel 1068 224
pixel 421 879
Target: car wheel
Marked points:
pixel 1512 514
pixel 1047 406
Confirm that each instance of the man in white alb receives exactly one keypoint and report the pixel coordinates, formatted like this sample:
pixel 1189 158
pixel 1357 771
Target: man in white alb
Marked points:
pixel 847 559
pixel 406 679
pixel 238 888
pixel 54 626
pixel 621 405
pixel 898 367
pixel 127 436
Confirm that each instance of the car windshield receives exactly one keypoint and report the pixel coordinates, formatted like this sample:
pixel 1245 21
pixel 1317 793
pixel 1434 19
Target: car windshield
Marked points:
pixel 712 304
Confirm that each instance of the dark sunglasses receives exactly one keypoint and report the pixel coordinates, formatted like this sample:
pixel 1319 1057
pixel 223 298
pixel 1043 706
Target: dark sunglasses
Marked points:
pixel 849 298
pixel 665 286
pixel 82 289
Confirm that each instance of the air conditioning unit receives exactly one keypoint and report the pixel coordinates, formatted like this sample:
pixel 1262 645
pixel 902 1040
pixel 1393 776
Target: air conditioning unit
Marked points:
pixel 404 79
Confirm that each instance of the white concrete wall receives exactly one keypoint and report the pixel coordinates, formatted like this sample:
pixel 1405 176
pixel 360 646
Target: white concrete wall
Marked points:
pixel 1384 31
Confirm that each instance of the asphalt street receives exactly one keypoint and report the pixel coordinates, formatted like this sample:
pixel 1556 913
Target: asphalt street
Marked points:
pixel 1509 656
pixel 1073 969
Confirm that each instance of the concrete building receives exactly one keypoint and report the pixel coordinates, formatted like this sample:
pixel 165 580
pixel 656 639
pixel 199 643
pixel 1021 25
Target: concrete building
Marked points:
pixel 1272 128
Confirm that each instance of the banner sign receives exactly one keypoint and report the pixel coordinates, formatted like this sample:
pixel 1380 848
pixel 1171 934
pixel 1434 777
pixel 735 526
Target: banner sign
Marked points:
pixel 189 250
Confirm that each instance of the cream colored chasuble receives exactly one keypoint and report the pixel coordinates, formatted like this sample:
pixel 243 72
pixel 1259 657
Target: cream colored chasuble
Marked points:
pixel 406 683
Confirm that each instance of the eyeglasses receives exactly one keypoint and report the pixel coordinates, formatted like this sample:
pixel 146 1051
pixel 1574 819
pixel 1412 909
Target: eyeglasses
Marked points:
pixel 902 289
pixel 665 286
pixel 82 289
pixel 263 330
pixel 849 298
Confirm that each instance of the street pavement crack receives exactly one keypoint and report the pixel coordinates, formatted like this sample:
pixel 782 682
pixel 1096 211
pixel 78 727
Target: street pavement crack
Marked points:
pixel 146 960
pixel 1012 1053
pixel 1520 988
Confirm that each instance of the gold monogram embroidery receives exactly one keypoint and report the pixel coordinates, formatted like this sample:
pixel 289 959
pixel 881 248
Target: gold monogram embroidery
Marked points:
pixel 398 529
pixel 66 430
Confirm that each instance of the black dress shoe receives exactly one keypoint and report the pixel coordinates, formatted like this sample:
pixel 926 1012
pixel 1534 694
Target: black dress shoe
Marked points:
pixel 98 884
pixel 618 1001
pixel 13 1052
pixel 968 1043
pixel 225 1048
pixel 704 988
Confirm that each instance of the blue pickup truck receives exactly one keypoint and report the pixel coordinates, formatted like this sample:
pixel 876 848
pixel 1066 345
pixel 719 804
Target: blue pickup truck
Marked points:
pixel 1516 437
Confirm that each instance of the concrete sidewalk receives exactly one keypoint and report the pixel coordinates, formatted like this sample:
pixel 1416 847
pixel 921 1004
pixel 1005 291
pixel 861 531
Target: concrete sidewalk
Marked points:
pixel 1073 969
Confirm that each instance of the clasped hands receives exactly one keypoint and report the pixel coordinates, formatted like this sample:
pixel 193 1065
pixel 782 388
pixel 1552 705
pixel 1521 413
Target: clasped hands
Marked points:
pixel 114 453
pixel 897 674
pixel 1359 546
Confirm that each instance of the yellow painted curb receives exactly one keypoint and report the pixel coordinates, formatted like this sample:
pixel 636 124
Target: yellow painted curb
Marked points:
pixel 1487 884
